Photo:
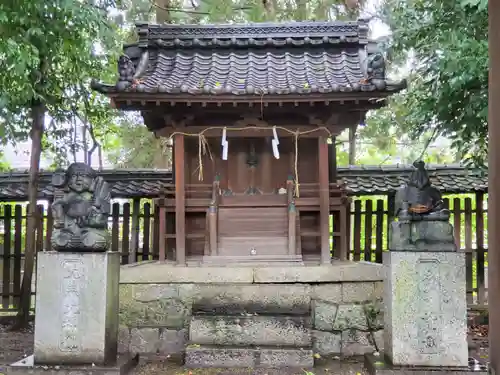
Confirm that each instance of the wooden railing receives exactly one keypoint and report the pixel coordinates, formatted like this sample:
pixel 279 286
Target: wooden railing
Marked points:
pixel 136 226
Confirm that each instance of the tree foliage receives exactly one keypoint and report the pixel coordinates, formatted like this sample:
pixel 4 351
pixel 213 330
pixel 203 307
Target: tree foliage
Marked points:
pixel 447 44
pixel 49 53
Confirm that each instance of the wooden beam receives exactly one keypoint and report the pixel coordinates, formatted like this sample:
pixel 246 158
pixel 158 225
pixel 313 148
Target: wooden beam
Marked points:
pixel 324 198
pixel 348 99
pixel 180 200
pixel 493 183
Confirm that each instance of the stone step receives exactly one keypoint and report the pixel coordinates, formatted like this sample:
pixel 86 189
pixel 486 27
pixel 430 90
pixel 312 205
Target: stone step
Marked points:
pixel 248 357
pixel 268 299
pixel 238 330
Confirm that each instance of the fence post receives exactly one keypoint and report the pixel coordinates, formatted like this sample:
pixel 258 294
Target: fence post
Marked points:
pixel 357 231
pixel 379 227
pixel 480 276
pixel 391 206
pixel 5 256
pixel 134 240
pixel 468 249
pixel 368 230
pixel 146 244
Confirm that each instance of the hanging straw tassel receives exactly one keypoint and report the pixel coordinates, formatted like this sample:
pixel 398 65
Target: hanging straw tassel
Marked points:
pixel 203 149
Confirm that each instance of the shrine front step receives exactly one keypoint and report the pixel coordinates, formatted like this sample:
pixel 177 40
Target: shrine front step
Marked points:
pixel 252 330
pixel 205 356
pixel 250 341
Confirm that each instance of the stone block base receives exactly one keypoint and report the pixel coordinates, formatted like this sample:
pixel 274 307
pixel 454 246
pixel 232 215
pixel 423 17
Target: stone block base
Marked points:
pixel 425 308
pixel 124 365
pixel 380 365
pixel 77 303
pixel 220 357
pixel 421 236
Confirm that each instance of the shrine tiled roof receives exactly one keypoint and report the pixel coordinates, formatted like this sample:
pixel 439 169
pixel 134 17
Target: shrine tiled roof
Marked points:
pixel 358 180
pixel 252 59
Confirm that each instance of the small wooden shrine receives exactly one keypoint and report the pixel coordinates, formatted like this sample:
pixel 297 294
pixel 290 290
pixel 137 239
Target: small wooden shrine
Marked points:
pixel 253 111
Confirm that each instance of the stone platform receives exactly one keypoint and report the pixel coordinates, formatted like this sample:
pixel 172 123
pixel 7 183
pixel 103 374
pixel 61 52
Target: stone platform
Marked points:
pixel 123 366
pixel 381 366
pixel 167 310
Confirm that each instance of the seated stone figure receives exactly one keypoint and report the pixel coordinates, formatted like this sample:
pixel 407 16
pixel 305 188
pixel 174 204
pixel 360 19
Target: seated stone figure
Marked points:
pixel 80 210
pixel 419 200
pixel 422 221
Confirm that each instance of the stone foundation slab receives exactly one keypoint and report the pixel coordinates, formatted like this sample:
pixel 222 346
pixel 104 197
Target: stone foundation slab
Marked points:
pixel 220 357
pixel 124 365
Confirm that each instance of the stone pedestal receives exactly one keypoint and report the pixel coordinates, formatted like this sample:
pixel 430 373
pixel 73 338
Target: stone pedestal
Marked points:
pixel 77 301
pixel 421 236
pixel 425 309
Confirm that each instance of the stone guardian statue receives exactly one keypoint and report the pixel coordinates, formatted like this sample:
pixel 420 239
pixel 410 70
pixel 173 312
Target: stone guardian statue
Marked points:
pixel 422 221
pixel 80 210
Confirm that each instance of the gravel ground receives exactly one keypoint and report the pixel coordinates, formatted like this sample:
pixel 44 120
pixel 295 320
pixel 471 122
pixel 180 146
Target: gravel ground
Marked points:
pixel 325 367
pixel 15 345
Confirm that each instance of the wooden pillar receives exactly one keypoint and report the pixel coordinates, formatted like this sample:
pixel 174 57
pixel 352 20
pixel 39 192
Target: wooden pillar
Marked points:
pixel 292 219
pixel 180 201
pixel 324 200
pixel 493 183
pixel 242 172
pixel 332 166
pixel 266 169
pixel 292 229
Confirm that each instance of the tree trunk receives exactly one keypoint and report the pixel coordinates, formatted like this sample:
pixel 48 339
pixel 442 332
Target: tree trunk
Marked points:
pixel 493 181
pixel 37 128
pixel 85 145
pixel 162 13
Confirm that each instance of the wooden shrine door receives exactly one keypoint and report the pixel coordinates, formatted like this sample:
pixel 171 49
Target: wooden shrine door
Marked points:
pixel 253 223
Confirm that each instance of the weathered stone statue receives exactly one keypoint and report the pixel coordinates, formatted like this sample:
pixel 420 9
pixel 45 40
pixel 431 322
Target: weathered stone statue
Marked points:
pixel 376 70
pixel 80 210
pixel 419 200
pixel 422 221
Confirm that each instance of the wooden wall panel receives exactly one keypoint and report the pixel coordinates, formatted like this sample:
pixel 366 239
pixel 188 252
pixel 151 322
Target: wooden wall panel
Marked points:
pixel 235 173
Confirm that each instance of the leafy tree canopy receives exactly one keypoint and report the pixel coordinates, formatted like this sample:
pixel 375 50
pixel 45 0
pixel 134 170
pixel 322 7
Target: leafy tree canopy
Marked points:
pixel 49 51
pixel 447 44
